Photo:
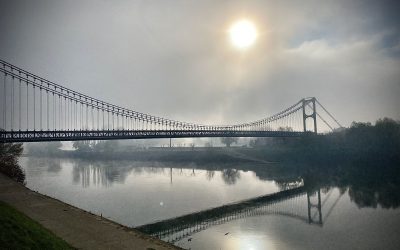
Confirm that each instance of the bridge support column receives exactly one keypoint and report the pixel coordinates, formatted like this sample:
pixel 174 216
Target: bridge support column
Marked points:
pixel 309 102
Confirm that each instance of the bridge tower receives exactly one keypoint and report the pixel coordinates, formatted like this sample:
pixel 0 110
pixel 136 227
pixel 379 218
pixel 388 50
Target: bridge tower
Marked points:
pixel 310 103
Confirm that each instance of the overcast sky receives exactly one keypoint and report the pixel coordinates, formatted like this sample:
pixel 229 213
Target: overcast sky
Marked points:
pixel 174 58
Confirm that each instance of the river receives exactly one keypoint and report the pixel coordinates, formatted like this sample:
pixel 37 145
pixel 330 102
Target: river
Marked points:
pixel 138 193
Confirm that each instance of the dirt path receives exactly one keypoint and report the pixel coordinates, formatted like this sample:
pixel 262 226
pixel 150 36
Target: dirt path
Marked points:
pixel 77 227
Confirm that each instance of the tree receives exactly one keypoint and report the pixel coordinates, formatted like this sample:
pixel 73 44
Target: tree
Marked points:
pixel 228 141
pixel 105 146
pixel 290 129
pixel 82 146
pixel 44 147
pixel 53 147
pixel 9 153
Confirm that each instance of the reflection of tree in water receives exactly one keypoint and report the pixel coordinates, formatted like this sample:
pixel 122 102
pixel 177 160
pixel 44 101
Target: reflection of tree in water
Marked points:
pixel 99 173
pixel 54 165
pixel 386 194
pixel 374 186
pixel 106 173
pixel 363 198
pixel 369 184
pixel 230 176
pixel 38 165
pixel 210 174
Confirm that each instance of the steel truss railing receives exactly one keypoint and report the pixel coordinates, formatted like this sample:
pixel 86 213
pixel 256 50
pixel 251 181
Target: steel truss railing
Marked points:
pixel 33 136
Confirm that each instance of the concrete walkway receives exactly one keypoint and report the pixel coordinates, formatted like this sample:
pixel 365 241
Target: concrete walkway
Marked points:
pixel 80 229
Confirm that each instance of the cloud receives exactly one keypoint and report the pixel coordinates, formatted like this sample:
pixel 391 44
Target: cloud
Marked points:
pixel 173 58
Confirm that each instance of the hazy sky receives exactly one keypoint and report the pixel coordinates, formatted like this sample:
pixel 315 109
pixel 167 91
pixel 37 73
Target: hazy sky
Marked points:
pixel 174 58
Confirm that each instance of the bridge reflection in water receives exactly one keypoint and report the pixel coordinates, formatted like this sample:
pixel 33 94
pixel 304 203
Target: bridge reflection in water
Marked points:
pixel 297 203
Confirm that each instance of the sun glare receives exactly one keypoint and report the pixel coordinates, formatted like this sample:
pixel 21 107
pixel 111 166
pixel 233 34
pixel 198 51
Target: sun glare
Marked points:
pixel 243 34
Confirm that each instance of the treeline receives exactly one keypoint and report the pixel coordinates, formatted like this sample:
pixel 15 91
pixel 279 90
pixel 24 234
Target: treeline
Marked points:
pixel 363 159
pixel 362 141
pixel 113 150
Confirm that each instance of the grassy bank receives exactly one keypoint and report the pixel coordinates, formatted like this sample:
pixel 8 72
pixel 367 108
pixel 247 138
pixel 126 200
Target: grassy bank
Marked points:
pixel 17 231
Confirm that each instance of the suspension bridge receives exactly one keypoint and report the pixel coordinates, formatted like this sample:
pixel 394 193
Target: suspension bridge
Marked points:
pixel 36 109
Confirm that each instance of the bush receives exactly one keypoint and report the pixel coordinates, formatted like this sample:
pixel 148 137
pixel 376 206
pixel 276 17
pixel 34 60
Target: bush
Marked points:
pixel 9 153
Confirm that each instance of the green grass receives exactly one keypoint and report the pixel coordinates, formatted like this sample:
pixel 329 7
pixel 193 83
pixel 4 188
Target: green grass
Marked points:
pixel 17 231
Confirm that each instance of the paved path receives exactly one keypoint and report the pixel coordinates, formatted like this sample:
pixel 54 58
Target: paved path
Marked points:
pixel 80 229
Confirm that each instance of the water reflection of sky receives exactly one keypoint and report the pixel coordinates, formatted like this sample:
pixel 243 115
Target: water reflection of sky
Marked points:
pixel 346 227
pixel 356 214
pixel 137 193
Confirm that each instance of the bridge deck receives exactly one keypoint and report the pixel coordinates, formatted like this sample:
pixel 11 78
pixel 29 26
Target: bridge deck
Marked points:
pixel 34 136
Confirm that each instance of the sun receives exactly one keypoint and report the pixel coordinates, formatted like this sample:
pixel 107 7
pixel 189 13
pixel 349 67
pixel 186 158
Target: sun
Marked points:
pixel 243 34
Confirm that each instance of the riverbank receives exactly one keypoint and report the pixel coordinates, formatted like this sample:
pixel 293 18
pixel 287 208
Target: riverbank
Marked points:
pixel 79 228
pixel 18 231
pixel 181 154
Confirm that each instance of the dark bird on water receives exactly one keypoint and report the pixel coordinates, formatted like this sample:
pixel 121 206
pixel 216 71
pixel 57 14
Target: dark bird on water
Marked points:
pixel 190 239
pixel 227 233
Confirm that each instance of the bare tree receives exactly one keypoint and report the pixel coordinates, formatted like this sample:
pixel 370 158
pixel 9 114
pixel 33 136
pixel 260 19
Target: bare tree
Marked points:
pixel 228 141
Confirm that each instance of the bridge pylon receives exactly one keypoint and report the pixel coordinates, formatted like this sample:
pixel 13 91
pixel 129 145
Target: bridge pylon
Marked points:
pixel 310 103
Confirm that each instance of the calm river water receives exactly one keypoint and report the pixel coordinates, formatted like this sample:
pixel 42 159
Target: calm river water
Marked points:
pixel 138 193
